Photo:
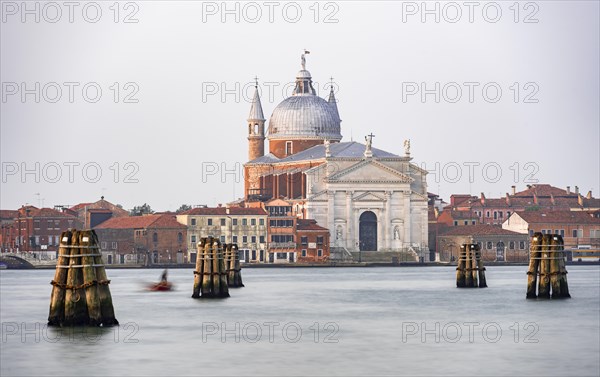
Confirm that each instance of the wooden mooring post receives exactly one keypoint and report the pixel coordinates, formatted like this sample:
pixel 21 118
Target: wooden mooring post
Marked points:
pixel 547 267
pixel 470 272
pixel 232 263
pixel 80 293
pixel 210 276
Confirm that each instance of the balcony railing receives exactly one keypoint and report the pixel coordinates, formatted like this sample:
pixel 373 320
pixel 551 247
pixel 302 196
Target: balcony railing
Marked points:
pixel 282 245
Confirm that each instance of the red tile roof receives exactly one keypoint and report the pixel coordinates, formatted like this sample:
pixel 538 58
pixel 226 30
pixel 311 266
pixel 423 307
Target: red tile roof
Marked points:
pixel 309 224
pixel 222 211
pixel 559 217
pixel 8 214
pixel 477 230
pixel 543 190
pixel 42 212
pixel 140 222
pixel 79 206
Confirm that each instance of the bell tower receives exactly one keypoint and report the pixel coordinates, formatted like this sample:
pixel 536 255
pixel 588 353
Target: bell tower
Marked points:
pixel 256 128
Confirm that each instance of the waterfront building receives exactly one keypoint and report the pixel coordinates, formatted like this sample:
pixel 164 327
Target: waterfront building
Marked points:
pixel 143 240
pixel 246 227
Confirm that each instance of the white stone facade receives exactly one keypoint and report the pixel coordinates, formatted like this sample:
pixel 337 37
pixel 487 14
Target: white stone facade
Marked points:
pixel 395 190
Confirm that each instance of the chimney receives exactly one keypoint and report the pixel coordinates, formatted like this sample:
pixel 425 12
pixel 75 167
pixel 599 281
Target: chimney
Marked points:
pixel 528 187
pixel 576 190
pixel 568 190
pixel 580 200
pixel 219 205
pixel 589 195
pixel 508 197
pixel 482 199
pixel 535 198
pixel 552 199
pixel 514 190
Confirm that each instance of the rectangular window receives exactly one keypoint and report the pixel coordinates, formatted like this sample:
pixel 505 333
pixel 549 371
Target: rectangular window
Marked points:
pixel 193 239
pixel 495 215
pixel 304 240
pixel 455 223
pixel 303 252
pixel 574 233
pixel 511 245
pixel 49 240
pixel 261 222
pixel 281 255
pixel 234 222
pixel 114 246
pixel 500 214
pixel 253 222
pixel 234 239
pixel 522 245
pixel 253 239
pixel 36 224
pixel 209 221
pixel 56 240
pixel 244 222
pixel 489 245
pixel 288 148
pixel 253 254
pixel 103 244
pixel 261 239
pixel 193 222
pixel 466 222
pixel 319 240
pixel 594 234
pixel 222 238
pixel 222 222
pixel 320 252
pixel 487 214
pixel 244 239
pixel 37 240
pixel 473 222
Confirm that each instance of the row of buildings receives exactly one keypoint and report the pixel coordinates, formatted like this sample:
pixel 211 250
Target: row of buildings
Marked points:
pixel 272 232
pixel 503 226
pixel 264 234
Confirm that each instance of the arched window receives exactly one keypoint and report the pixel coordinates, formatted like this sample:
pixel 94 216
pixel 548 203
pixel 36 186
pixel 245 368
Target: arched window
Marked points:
pixel 256 129
pixel 154 237
pixel 180 237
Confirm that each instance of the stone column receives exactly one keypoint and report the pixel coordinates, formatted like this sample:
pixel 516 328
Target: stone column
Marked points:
pixel 387 219
pixel 407 225
pixel 331 212
pixel 350 238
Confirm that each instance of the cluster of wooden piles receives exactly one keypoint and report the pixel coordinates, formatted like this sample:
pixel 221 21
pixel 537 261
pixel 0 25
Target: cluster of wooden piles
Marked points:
pixel 470 268
pixel 547 260
pixel 217 269
pixel 80 293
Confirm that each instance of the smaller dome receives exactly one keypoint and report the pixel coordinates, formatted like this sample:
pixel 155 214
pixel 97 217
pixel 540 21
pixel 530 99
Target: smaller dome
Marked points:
pixel 303 74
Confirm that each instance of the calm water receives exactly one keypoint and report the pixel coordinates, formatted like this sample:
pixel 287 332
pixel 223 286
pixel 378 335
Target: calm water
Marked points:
pixel 345 321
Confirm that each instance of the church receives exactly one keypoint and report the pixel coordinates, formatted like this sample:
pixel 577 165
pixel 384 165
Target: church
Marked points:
pixel 369 199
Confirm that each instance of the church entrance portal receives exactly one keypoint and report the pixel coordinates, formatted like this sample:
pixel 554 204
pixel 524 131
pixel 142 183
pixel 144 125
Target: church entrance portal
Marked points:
pixel 368 231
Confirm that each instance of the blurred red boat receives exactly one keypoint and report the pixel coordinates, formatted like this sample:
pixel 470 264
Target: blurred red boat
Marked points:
pixel 162 286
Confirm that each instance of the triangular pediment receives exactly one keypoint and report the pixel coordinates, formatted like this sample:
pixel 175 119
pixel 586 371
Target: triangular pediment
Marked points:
pixel 370 171
pixel 319 196
pixel 368 197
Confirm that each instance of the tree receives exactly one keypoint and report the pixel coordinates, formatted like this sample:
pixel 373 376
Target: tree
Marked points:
pixel 183 208
pixel 144 209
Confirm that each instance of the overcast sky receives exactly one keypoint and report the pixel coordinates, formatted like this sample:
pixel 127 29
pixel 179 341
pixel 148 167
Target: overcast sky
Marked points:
pixel 184 74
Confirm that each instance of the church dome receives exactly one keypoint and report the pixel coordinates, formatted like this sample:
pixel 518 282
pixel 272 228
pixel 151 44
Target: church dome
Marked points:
pixel 305 115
